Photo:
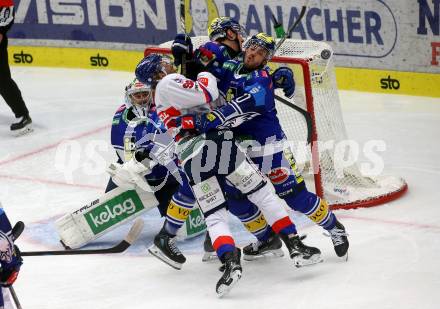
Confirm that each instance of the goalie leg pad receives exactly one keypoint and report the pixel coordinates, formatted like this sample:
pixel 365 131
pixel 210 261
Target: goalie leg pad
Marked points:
pixel 97 218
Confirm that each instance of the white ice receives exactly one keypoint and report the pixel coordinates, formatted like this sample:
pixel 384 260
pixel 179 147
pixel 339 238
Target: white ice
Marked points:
pixel 394 259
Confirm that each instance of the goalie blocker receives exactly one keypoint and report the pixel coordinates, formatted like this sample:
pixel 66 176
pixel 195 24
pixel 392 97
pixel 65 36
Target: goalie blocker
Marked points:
pixel 111 210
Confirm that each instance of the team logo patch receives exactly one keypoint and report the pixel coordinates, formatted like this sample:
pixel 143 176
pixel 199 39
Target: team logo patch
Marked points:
pixel 210 117
pixel 279 175
pixel 204 81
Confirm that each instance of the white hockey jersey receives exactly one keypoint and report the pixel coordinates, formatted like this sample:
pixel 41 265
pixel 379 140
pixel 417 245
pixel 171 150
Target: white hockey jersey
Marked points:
pixel 177 95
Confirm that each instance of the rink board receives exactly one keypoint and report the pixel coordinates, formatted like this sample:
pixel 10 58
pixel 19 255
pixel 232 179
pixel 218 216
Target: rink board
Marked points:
pixel 383 81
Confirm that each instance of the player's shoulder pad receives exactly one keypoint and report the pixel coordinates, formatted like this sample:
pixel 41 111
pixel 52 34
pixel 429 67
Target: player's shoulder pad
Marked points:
pixel 119 114
pixel 170 79
pixel 262 76
pixel 212 46
pixel 230 65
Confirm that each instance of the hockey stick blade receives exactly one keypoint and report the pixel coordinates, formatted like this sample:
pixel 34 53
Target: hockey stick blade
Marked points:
pixel 17 230
pixel 129 239
pixel 302 112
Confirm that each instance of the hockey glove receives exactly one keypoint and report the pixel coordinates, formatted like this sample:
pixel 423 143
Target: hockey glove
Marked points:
pixel 194 123
pixel 204 57
pixel 9 271
pixel 181 47
pixel 283 78
pixel 129 175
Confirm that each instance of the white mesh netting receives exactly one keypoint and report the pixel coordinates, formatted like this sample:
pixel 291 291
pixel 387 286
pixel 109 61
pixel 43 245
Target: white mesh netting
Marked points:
pixel 340 183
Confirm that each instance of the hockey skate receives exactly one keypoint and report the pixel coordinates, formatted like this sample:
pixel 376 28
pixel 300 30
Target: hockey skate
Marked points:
pixel 270 247
pixel 301 254
pixel 210 253
pixel 340 240
pixel 22 127
pixel 165 249
pixel 231 274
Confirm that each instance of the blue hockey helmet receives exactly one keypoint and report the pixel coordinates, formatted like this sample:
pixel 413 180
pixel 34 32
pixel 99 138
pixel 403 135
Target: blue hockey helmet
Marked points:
pixel 148 69
pixel 218 27
pixel 262 40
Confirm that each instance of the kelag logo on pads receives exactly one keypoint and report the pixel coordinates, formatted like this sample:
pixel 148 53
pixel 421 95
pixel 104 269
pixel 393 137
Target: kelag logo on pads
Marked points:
pixel 114 211
pixel 195 222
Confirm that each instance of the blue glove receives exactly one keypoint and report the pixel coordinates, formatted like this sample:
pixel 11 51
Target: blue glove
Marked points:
pixel 181 47
pixel 283 78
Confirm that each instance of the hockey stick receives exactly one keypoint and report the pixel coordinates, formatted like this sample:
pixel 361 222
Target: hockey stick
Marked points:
pixel 183 26
pixel 129 239
pixel 15 233
pixel 293 26
pixel 302 112
pixel 17 230
pixel 15 298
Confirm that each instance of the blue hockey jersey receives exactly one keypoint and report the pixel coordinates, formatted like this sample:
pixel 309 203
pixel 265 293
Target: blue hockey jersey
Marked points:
pixel 130 133
pixel 251 104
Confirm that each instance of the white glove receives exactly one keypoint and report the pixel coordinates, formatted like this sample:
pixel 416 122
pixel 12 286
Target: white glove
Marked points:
pixel 129 175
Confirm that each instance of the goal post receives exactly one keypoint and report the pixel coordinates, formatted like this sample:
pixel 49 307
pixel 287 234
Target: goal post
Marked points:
pixel 324 168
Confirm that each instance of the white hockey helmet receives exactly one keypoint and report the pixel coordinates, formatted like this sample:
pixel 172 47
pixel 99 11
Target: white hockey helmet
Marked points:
pixel 138 96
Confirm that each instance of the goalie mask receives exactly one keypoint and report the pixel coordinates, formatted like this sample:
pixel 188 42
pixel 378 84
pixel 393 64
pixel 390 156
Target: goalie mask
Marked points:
pixel 152 68
pixel 139 97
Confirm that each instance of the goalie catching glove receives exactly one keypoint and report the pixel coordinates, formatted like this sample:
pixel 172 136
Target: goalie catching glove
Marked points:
pixel 130 175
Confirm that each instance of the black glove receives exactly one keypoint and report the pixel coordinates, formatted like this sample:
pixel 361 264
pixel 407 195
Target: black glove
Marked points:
pixel 181 47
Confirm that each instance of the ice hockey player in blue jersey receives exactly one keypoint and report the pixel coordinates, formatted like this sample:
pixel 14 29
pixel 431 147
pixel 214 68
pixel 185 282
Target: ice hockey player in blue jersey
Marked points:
pixel 252 115
pixel 138 135
pixel 134 128
pixel 226 40
pixel 10 258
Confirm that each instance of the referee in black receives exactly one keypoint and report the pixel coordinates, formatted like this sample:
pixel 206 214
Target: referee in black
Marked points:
pixel 8 88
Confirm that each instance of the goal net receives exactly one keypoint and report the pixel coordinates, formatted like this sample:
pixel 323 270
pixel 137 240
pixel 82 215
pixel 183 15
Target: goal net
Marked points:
pixel 316 130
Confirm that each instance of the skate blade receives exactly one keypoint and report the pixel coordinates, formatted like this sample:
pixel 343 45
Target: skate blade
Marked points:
pixel 268 254
pixel 224 289
pixel 23 131
pixel 158 254
pixel 314 259
pixel 344 257
pixel 209 256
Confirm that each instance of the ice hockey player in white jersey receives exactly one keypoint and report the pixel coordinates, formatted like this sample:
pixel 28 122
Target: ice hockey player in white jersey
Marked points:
pixel 257 119
pixel 214 162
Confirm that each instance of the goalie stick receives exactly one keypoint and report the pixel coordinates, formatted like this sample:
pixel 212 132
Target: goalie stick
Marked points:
pixel 129 239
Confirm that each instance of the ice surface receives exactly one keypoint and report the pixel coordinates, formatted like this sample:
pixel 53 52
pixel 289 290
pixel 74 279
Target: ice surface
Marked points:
pixel 394 249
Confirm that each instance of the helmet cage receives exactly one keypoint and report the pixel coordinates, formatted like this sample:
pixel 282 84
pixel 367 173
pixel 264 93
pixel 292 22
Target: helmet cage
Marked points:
pixel 219 26
pixel 264 41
